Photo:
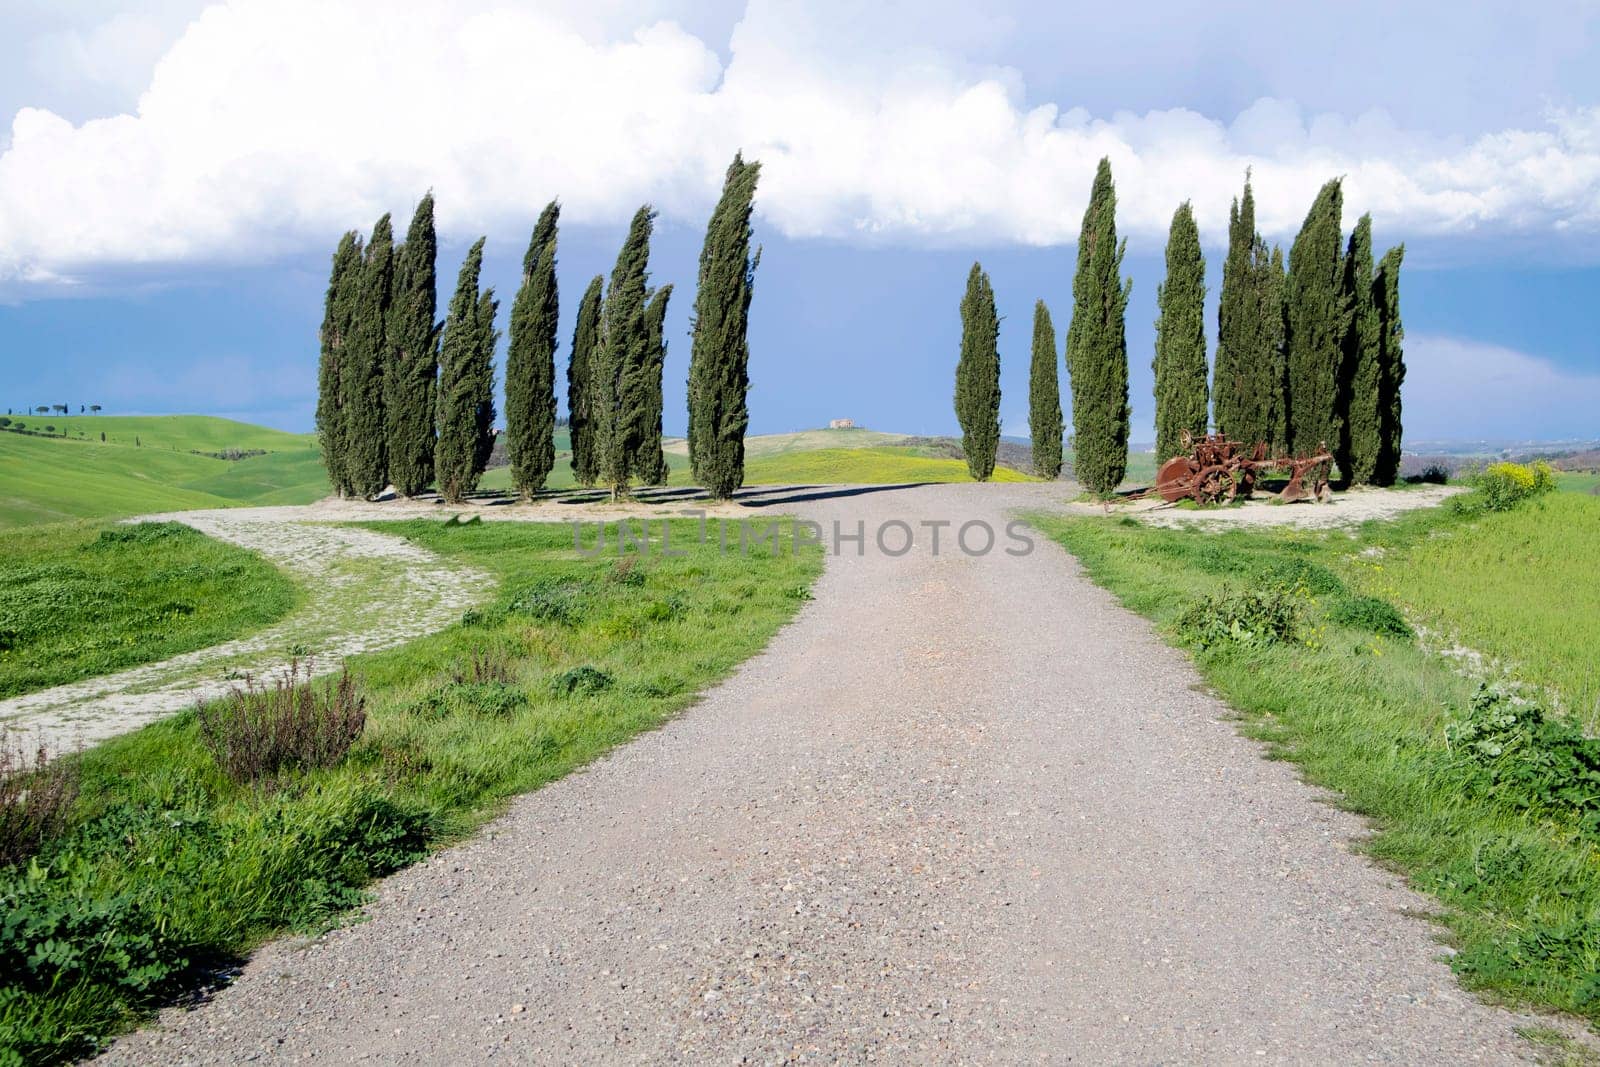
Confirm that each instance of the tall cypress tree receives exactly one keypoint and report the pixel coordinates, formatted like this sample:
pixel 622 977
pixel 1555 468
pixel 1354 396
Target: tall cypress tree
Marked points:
pixel 1181 389
pixel 978 376
pixel 719 359
pixel 1318 317
pixel 1361 372
pixel 1237 325
pixel 531 362
pixel 411 374
pixel 1391 334
pixel 580 378
pixel 1272 294
pixel 617 364
pixel 365 438
pixel 650 461
pixel 466 384
pixel 1097 343
pixel 1044 396
pixel 338 310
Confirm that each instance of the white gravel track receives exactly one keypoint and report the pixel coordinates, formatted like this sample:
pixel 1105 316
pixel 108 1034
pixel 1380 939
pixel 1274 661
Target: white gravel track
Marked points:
pixel 961 810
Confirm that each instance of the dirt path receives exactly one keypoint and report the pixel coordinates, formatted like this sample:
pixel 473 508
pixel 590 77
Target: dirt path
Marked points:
pixel 363 591
pixel 964 809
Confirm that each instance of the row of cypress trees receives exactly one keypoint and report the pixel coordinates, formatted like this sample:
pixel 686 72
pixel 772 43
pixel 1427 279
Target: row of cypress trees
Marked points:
pixel 408 403
pixel 1308 353
pixel 401 401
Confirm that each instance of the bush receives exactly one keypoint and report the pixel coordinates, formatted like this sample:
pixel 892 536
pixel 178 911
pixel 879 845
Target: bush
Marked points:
pixel 564 602
pixel 1296 572
pixel 258 731
pixel 1540 763
pixel 1371 614
pixel 36 797
pixel 1431 474
pixel 1253 618
pixel 581 680
pixel 1502 486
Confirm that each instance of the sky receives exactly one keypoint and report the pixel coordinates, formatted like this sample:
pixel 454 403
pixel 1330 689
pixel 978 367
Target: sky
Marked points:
pixel 174 176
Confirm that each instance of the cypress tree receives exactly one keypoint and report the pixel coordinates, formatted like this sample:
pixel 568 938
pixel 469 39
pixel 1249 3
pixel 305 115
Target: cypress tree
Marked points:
pixel 361 370
pixel 531 362
pixel 580 421
pixel 1044 396
pixel 617 364
pixel 1318 317
pixel 412 371
pixel 466 384
pixel 978 376
pixel 1181 389
pixel 1391 335
pixel 1361 374
pixel 1097 343
pixel 338 308
pixel 1237 311
pixel 719 358
pixel 650 461
pixel 1273 314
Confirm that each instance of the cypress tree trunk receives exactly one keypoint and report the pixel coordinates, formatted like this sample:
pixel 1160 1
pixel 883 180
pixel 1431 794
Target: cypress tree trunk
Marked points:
pixel 650 462
pixel 338 310
pixel 1318 318
pixel 531 362
pixel 1097 344
pixel 1238 311
pixel 466 394
pixel 1180 360
pixel 580 419
pixel 361 371
pixel 483 383
pixel 618 361
pixel 719 359
pixel 1361 385
pixel 978 376
pixel 1044 397
pixel 1391 334
pixel 412 371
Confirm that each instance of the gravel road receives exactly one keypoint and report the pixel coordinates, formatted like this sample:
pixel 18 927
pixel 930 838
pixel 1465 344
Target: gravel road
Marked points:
pixel 961 810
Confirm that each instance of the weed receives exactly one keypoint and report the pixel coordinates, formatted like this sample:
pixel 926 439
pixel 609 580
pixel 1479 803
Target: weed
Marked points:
pixel 258 731
pixel 551 600
pixel 1539 762
pixel 1369 613
pixel 625 572
pixel 36 798
pixel 582 680
pixel 1250 617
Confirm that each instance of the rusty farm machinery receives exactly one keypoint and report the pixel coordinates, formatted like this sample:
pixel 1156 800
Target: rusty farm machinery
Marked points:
pixel 1216 470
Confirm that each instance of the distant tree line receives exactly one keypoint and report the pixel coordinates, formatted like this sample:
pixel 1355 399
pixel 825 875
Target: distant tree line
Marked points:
pixel 408 402
pixel 1308 354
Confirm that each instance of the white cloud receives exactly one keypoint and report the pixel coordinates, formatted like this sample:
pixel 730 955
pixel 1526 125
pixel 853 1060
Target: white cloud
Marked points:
pixel 1459 389
pixel 273 124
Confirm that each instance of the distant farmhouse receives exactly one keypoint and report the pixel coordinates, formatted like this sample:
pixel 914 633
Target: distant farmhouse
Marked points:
pixel 842 424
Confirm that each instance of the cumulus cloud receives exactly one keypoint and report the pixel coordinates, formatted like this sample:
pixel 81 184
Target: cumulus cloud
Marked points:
pixel 1457 388
pixel 272 124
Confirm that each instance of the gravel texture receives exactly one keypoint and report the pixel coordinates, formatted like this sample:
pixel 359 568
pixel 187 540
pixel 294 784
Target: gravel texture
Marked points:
pixel 1347 508
pixel 963 809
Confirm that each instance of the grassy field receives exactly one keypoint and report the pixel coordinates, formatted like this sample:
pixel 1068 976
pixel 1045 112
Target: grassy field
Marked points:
pixel 81 599
pixel 1578 481
pixel 1474 804
pixel 50 479
pixel 171 868
pixel 178 433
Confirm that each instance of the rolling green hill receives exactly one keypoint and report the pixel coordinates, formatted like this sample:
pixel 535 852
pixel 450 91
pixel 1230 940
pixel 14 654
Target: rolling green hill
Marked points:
pixel 46 479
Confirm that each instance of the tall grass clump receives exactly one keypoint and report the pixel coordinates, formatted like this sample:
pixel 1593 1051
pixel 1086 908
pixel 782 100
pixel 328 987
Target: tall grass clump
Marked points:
pixel 258 731
pixel 36 798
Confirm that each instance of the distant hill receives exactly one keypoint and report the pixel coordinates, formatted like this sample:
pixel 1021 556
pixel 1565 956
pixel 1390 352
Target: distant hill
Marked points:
pixel 150 463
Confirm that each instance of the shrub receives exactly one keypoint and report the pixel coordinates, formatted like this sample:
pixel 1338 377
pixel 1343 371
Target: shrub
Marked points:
pixel 1252 617
pixel 625 572
pixel 564 602
pixel 1534 761
pixel 36 798
pixel 581 680
pixel 1431 474
pixel 1502 486
pixel 1371 614
pixel 257 731
pixel 1294 571
pixel 487 665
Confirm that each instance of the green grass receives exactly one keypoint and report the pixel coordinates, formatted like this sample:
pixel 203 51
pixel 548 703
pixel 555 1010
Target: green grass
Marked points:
pixel 1365 715
pixel 180 433
pixel 876 465
pixel 49 479
pixel 171 868
pixel 1578 481
pixel 82 599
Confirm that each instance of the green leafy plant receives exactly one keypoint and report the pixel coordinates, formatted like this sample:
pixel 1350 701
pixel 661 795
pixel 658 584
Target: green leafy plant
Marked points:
pixel 1372 614
pixel 581 681
pixel 1252 618
pixel 1502 486
pixel 1526 757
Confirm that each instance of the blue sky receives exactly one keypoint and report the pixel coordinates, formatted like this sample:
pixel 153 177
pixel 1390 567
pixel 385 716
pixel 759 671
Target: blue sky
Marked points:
pixel 175 174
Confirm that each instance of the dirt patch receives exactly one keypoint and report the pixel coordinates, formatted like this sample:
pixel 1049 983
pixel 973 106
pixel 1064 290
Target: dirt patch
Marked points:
pixel 1346 509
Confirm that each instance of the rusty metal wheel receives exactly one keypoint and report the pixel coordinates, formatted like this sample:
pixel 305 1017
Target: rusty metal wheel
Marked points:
pixel 1214 485
pixel 1175 479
